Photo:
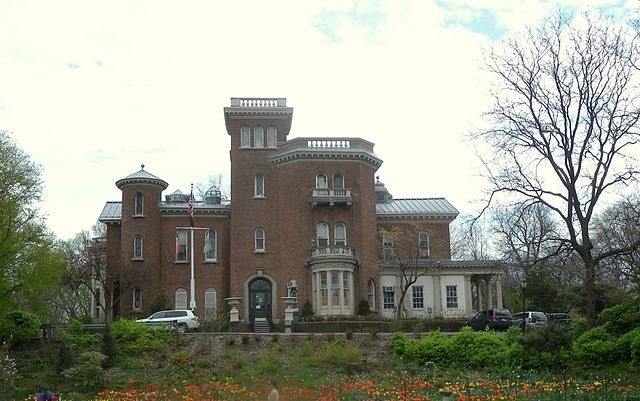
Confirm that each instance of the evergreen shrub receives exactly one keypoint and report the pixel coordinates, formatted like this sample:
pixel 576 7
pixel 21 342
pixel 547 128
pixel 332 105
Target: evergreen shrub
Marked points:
pixel 18 328
pixel 595 348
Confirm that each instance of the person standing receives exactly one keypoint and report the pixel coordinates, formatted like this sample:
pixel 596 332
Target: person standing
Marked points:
pixel 273 394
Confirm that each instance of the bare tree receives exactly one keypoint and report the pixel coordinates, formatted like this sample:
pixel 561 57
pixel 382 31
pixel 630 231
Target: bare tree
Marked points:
pixel 402 250
pixel 563 126
pixel 470 239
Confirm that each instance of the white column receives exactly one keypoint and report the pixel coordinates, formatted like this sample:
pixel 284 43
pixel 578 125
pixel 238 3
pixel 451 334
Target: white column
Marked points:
pixel 499 290
pixel 468 301
pixel 489 295
pixel 437 295
pixel 479 291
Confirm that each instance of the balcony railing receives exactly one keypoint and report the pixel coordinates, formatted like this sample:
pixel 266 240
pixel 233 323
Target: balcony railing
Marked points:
pixel 331 196
pixel 258 102
pixel 332 250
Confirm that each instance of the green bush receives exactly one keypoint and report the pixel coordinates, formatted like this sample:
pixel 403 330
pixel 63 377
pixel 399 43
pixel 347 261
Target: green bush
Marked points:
pixel 87 374
pixel 476 350
pixel 307 310
pixel 335 355
pixel 595 348
pixel 625 342
pixel 133 338
pixel 268 361
pixel 363 307
pixel 545 348
pixel 78 339
pixel 432 348
pixel 19 328
pixel 621 318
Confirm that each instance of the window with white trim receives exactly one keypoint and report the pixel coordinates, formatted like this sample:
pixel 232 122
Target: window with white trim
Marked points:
pixel 181 245
pixel 321 181
pixel 272 136
pixel 258 186
pixel 181 298
pixel 346 287
pixel 137 298
pixel 452 296
pixel 137 247
pixel 340 234
pixel 210 304
pixel 138 206
pixel 387 247
pixel 245 137
pixel 371 294
pixel 210 245
pixel 258 137
pixel 322 231
pixel 324 292
pixel 418 297
pixel 388 298
pixel 260 240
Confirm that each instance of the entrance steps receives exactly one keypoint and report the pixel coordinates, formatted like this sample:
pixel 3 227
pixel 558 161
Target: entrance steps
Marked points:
pixel 261 325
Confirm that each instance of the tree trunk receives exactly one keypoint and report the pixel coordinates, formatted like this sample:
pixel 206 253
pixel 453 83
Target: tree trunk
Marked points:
pixel 590 292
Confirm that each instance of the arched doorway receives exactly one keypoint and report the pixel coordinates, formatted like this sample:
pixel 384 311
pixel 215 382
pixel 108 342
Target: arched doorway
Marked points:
pixel 259 299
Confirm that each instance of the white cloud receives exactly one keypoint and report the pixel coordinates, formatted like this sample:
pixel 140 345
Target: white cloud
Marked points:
pixel 93 89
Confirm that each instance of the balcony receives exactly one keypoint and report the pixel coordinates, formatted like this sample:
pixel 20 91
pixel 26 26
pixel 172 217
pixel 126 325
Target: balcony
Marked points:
pixel 331 196
pixel 336 253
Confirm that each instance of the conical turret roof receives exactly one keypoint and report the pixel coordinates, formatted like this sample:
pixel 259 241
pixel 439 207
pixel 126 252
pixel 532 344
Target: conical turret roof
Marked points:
pixel 142 177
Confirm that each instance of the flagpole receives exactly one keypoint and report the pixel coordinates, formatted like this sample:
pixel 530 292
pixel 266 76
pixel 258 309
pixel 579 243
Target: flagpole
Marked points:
pixel 193 278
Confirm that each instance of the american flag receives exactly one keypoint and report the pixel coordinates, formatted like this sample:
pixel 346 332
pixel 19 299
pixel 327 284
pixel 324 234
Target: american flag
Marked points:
pixel 190 207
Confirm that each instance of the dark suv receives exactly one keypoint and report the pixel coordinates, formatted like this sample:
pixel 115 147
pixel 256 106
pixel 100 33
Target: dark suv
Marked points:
pixel 559 318
pixel 492 319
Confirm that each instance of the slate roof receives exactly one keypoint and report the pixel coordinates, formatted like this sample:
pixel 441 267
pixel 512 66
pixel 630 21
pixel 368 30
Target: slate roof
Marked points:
pixel 417 206
pixel 112 211
pixel 142 176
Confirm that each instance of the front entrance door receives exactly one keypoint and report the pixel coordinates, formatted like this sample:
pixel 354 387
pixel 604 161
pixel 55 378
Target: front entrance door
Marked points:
pixel 260 299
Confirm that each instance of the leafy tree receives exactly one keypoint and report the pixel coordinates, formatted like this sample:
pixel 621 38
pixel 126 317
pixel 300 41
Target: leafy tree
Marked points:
pixel 30 262
pixel 563 127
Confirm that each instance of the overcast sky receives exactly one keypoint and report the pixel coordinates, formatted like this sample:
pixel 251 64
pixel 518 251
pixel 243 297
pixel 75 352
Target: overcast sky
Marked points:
pixel 93 89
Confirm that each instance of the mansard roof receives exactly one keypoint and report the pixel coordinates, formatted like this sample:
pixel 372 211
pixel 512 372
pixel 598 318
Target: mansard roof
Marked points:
pixel 416 208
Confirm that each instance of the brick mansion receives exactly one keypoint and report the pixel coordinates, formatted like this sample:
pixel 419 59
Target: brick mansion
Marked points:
pixel 307 222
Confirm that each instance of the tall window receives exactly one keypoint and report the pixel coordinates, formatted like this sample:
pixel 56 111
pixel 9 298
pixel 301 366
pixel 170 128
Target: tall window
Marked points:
pixel 260 240
pixel 388 298
pixel 324 294
pixel 387 247
pixel 371 294
pixel 138 208
pixel 210 303
pixel 137 298
pixel 338 181
pixel 181 298
pixel 258 137
pixel 340 234
pixel 452 296
pixel 323 234
pixel 418 297
pixel 346 289
pixel 137 247
pixel 259 186
pixel 423 239
pixel 321 181
pixel 98 302
pixel 245 141
pixel 210 245
pixel 335 288
pixel 272 137
pixel 181 245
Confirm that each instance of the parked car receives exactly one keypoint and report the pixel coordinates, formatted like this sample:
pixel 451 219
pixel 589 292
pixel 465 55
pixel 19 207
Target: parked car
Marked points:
pixel 530 319
pixel 184 319
pixel 559 318
pixel 492 319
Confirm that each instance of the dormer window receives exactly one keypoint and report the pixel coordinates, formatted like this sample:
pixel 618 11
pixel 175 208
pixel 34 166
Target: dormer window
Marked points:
pixel 245 139
pixel 258 137
pixel 138 207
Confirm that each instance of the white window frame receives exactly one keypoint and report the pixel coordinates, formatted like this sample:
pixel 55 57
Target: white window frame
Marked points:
pixel 452 296
pixel 181 297
pixel 138 204
pixel 340 238
pixel 245 137
pixel 211 247
pixel 138 243
pixel 258 136
pixel 260 240
pixel 181 241
pixel 258 186
pixel 210 304
pixel 417 296
pixel 322 234
pixel 388 299
pixel 272 137
pixel 321 181
pixel 371 294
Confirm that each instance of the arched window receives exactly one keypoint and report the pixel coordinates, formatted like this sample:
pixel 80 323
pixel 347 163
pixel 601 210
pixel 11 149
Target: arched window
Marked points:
pixel 322 231
pixel 423 243
pixel 210 245
pixel 259 186
pixel 272 137
pixel 137 247
pixel 371 294
pixel 338 181
pixel 340 234
pixel 181 245
pixel 245 141
pixel 321 181
pixel 137 298
pixel 260 240
pixel 138 208
pixel 210 303
pixel 181 298
pixel 258 137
